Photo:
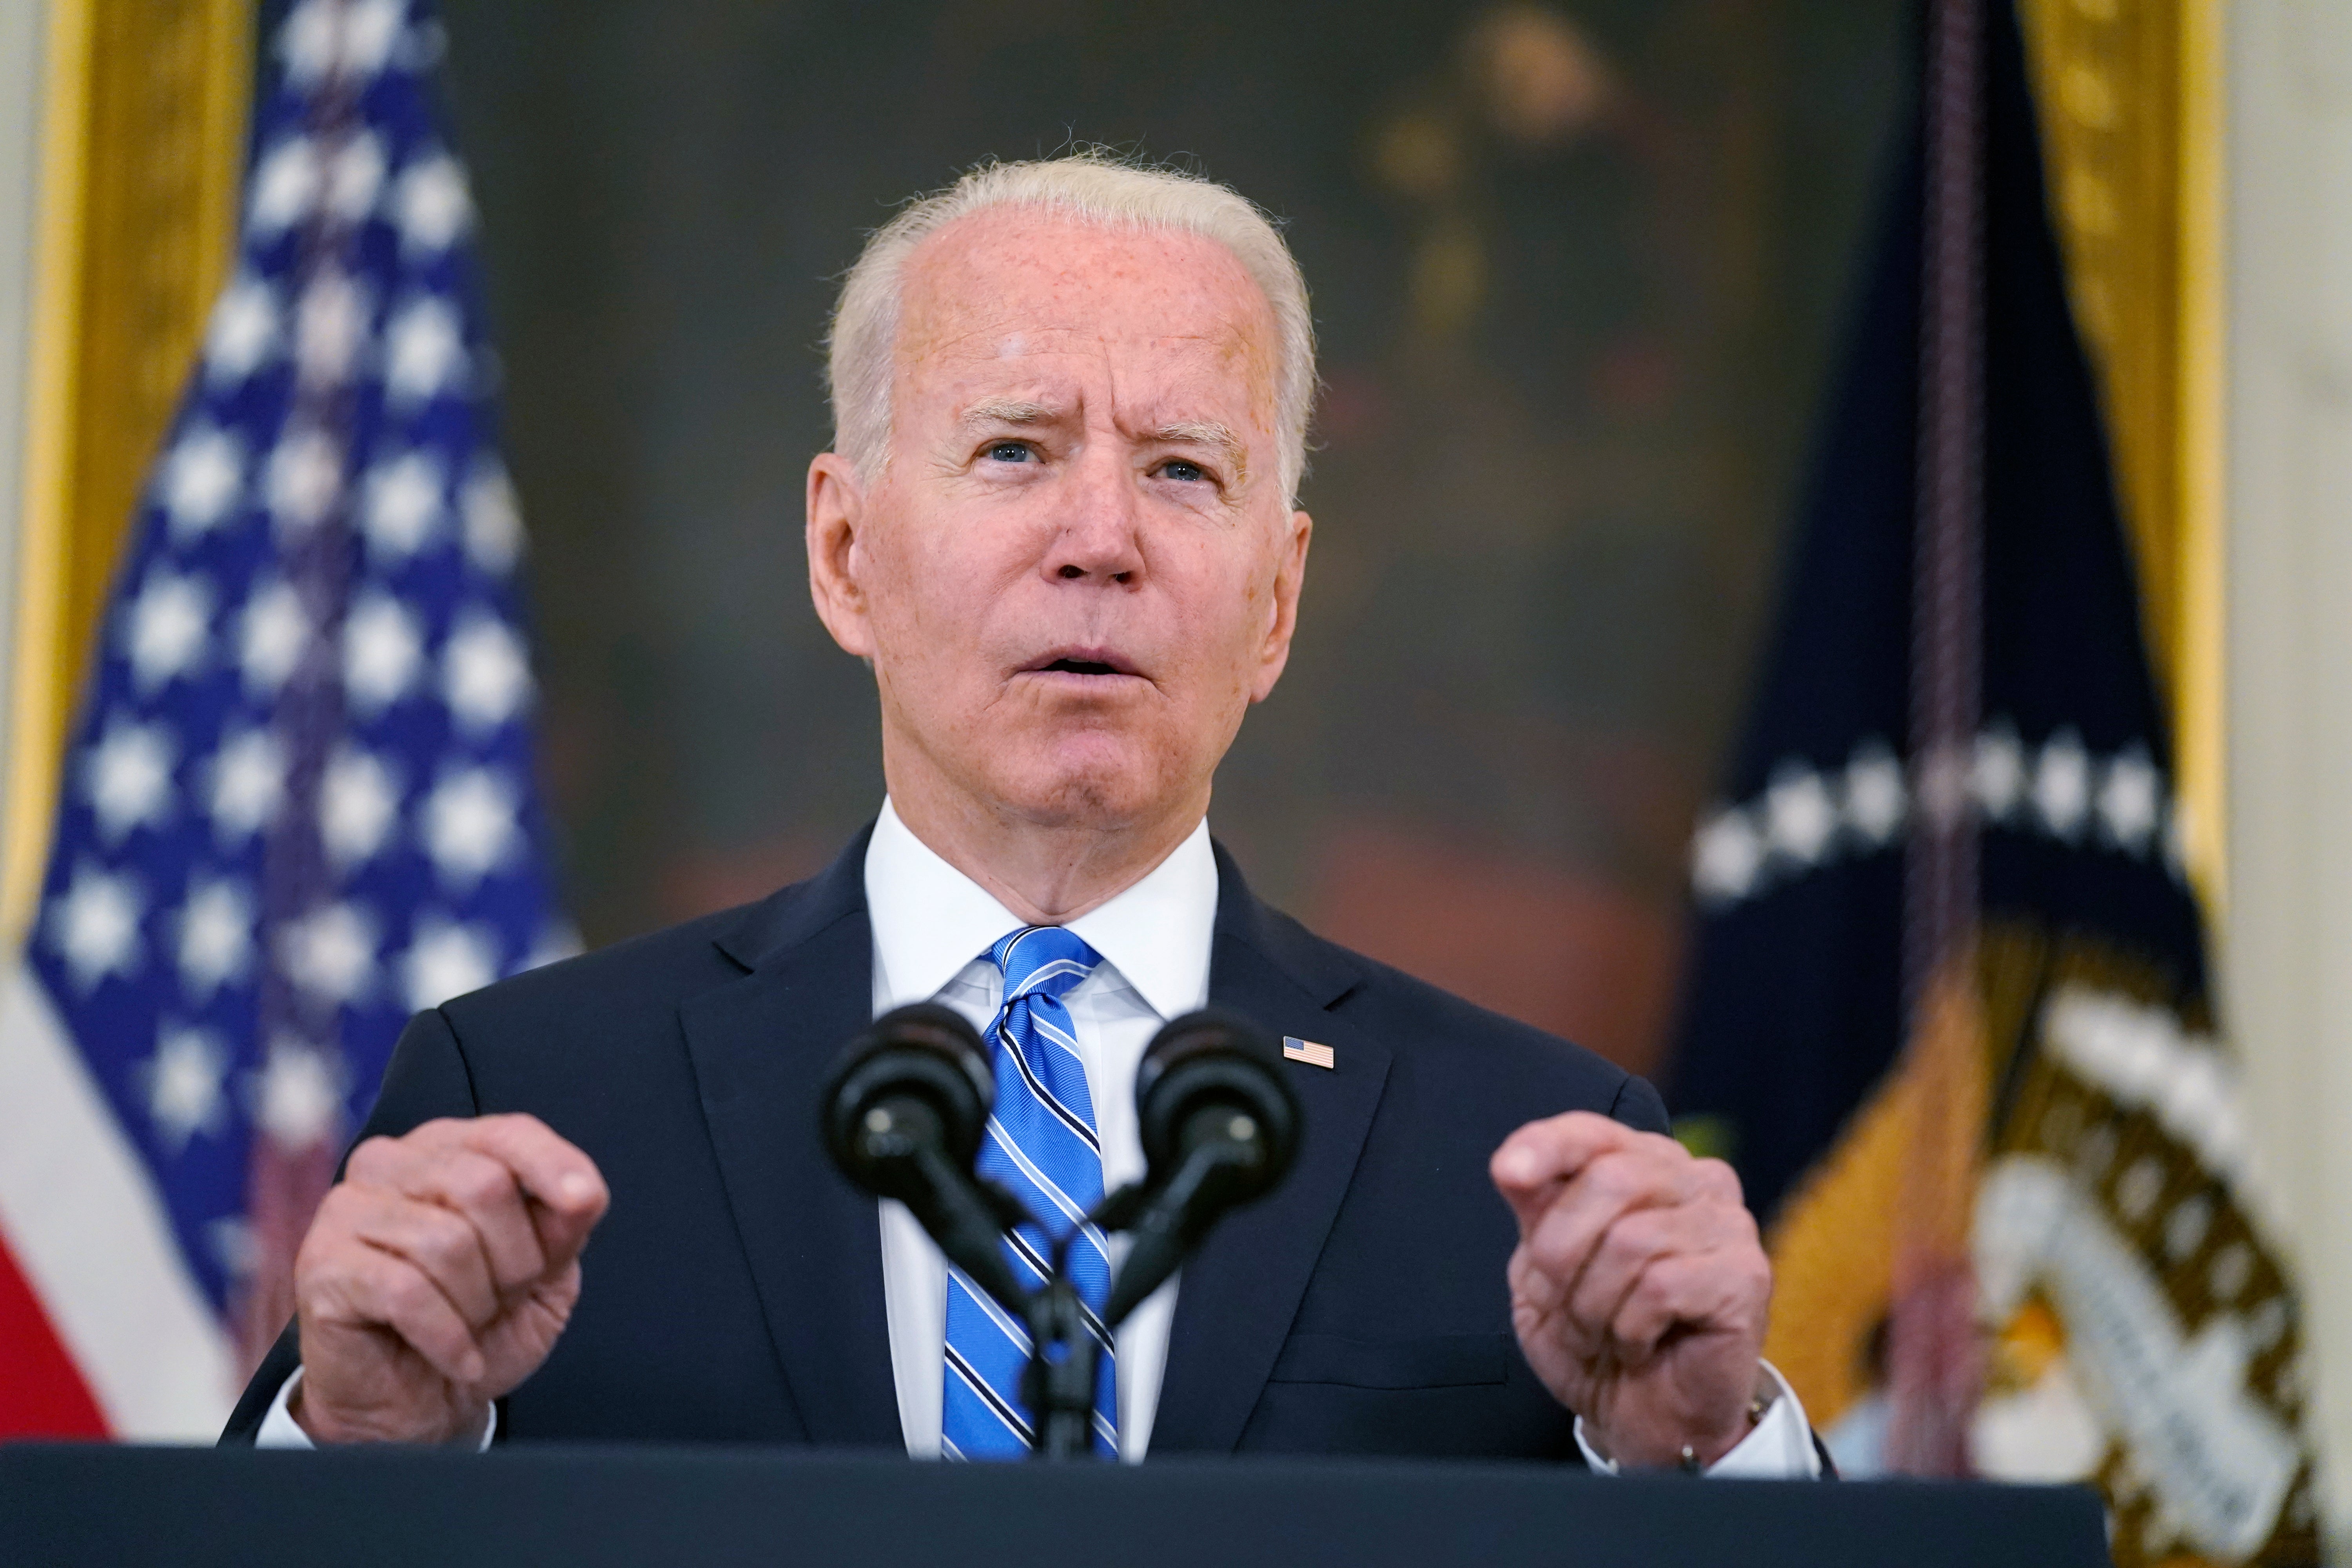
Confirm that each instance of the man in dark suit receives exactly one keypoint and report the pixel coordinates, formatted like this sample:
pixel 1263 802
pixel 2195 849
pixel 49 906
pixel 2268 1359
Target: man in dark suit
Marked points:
pixel 1070 401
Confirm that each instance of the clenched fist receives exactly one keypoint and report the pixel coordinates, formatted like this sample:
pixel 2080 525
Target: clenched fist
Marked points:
pixel 436 1276
pixel 1639 1288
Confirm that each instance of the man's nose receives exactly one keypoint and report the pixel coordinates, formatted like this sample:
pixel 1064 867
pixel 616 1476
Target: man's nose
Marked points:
pixel 1098 539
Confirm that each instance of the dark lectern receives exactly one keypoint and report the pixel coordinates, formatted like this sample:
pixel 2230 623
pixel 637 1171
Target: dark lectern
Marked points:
pixel 61 1507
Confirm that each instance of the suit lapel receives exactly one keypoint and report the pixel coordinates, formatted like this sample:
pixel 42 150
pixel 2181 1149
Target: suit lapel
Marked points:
pixel 761 1047
pixel 1238 1296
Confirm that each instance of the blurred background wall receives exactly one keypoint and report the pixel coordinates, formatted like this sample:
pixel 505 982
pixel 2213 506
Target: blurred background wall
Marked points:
pixel 2287 934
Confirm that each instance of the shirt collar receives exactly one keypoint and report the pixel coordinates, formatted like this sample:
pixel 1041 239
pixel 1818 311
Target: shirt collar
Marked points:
pixel 931 921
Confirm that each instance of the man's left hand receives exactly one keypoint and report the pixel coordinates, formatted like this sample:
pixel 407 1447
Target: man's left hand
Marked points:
pixel 1639 1288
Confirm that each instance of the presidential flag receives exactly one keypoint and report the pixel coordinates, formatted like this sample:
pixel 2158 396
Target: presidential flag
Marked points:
pixel 2133 1323
pixel 298 803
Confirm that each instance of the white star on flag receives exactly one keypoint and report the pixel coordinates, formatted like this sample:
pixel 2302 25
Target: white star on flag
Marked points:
pixel 183 1086
pixel 354 177
pixel 486 674
pixel 1727 856
pixel 297 1097
pixel 359 799
pixel 404 506
pixel 447 958
pixel 248 781
pixel 351 39
pixel 167 626
pixel 331 319
pixel 128 778
pixel 215 937
pixel 305 476
pixel 201 480
pixel 1998 777
pixel 381 650
pixel 424 352
pixel 2130 801
pixel 1874 797
pixel 270 637
pixel 493 521
pixel 95 927
pixel 285 182
pixel 2061 784
pixel 431 205
pixel 469 827
pixel 242 332
pixel 330 953
pixel 1800 818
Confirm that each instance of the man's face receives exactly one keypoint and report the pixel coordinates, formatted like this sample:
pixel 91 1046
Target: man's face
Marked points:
pixel 1079 568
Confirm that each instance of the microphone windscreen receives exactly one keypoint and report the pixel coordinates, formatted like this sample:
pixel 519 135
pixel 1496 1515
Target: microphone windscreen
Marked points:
pixel 1215 1061
pixel 925 1052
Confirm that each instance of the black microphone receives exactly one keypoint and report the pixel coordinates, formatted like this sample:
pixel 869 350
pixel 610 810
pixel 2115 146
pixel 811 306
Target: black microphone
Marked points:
pixel 903 1117
pixel 1219 1125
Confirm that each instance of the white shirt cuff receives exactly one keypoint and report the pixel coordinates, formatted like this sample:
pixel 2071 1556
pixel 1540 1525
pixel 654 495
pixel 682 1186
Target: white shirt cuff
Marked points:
pixel 1780 1448
pixel 281 1430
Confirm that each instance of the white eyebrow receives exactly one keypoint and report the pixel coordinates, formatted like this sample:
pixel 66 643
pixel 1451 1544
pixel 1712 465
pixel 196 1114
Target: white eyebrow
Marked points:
pixel 1200 433
pixel 1005 411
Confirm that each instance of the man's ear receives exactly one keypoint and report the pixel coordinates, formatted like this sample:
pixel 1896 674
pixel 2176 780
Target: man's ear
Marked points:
pixel 836 514
pixel 1289 578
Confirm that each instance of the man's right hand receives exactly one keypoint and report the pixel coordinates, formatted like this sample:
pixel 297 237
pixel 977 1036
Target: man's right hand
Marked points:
pixel 438 1276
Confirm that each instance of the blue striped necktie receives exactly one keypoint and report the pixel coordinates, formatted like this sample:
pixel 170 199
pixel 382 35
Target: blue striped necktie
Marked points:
pixel 1041 1144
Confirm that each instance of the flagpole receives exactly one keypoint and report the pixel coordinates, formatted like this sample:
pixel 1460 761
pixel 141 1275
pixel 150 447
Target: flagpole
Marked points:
pixel 292 1166
pixel 1934 1361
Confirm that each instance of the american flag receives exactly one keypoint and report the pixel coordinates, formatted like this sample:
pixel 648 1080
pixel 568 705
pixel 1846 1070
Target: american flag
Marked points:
pixel 298 803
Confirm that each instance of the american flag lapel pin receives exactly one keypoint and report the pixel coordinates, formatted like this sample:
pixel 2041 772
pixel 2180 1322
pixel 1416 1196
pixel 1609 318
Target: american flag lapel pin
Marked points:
pixel 1310 1053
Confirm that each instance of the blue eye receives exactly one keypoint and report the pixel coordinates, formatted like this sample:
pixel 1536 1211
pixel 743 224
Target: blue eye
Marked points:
pixel 1009 452
pixel 1178 469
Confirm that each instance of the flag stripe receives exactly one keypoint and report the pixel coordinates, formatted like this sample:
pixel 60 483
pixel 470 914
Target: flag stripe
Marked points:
pixel 44 1394
pixel 155 1357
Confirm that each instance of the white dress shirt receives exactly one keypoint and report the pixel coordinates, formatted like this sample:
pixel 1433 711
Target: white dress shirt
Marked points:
pixel 934 927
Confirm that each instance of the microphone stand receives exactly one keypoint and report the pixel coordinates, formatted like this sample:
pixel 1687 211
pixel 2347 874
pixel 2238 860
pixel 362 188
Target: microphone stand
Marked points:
pixel 1064 1351
pixel 1062 1348
pixel 1062 1356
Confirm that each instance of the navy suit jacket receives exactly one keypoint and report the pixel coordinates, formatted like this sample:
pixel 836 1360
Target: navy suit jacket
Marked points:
pixel 733 1293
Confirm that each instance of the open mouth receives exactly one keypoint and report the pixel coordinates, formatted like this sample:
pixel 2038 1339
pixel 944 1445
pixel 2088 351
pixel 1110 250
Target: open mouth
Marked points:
pixel 1091 662
pixel 1083 662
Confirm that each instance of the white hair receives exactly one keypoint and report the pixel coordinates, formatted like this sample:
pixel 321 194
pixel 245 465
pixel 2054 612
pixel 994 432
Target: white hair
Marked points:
pixel 1095 186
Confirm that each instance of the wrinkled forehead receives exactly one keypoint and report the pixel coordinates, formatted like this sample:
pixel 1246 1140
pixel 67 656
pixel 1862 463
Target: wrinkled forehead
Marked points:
pixel 1014 292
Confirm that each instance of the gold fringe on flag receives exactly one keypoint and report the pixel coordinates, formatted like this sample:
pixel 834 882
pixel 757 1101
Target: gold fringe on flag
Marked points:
pixel 142 154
